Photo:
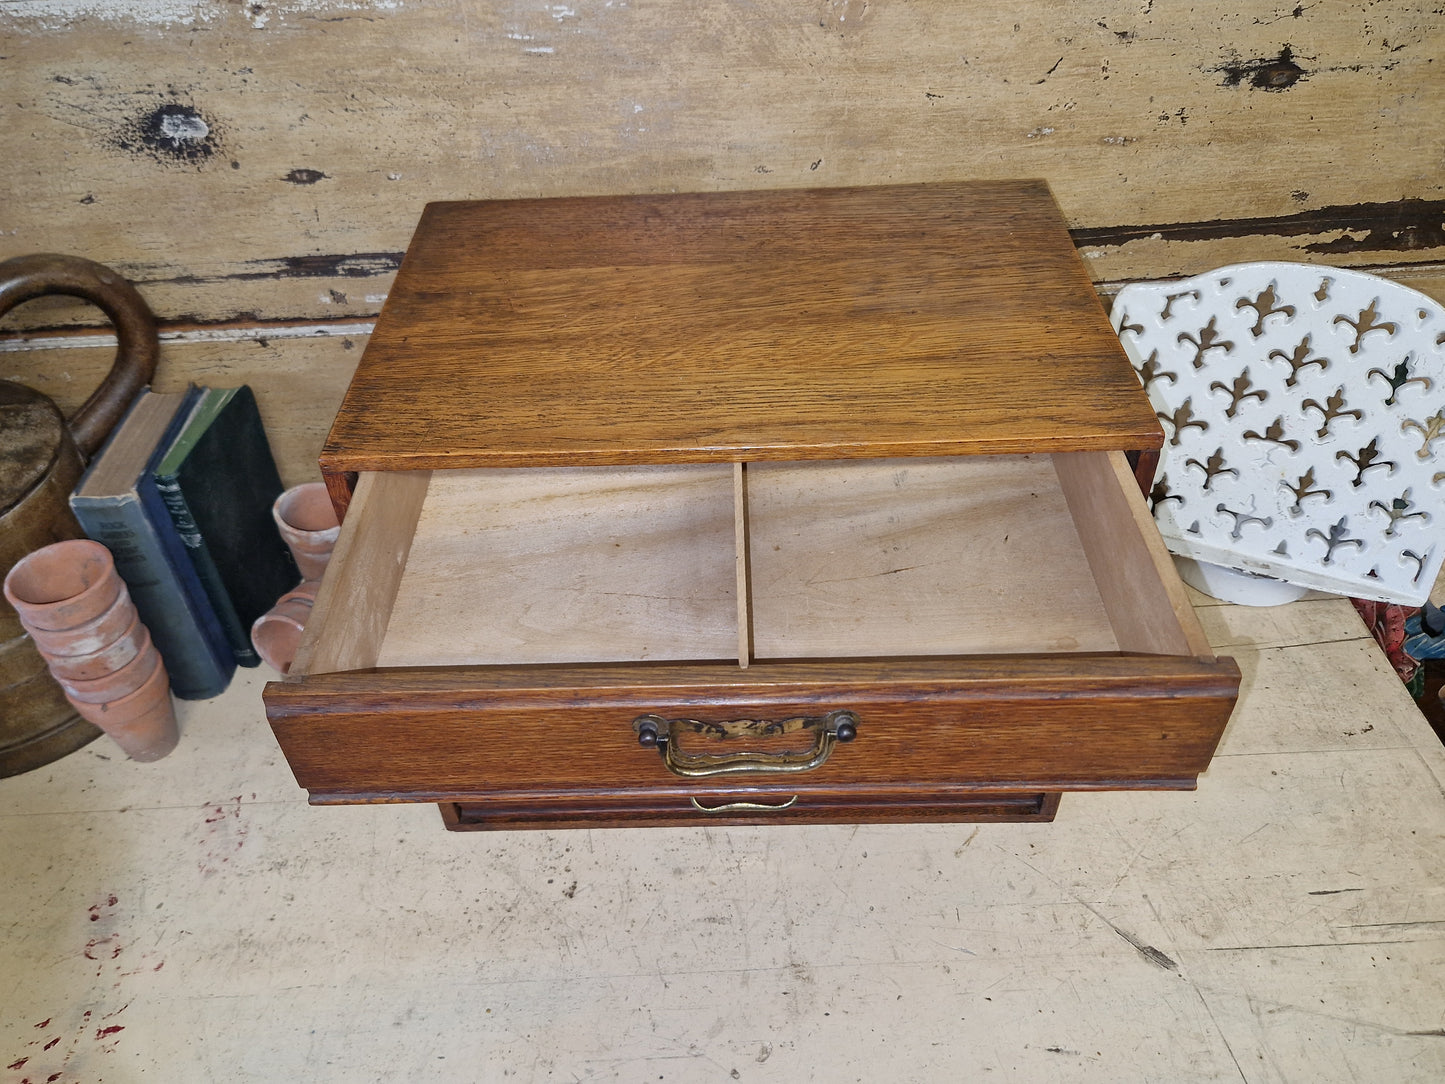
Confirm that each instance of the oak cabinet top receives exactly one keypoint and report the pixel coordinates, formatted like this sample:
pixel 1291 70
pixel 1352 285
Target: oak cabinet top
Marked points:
pixel 906 320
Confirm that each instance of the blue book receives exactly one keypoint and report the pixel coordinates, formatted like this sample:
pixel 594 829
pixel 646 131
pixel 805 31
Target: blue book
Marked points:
pixel 149 555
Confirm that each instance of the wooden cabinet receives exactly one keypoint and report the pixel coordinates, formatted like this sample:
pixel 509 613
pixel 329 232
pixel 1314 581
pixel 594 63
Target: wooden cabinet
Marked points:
pixel 746 507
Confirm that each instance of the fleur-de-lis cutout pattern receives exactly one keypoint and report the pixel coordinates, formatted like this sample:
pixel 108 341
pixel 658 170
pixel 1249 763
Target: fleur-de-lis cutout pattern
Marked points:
pixel 1323 392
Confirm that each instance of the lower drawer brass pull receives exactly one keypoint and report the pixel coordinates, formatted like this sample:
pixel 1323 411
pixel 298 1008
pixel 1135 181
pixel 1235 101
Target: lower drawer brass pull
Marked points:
pixel 836 726
pixel 740 807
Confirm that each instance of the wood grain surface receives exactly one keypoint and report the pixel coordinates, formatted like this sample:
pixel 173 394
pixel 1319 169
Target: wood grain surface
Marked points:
pixel 969 555
pixel 948 319
pixel 1002 723
pixel 566 565
pixel 975 554
pixel 354 602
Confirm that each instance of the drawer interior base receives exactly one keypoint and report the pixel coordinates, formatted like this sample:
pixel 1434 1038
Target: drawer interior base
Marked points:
pixel 785 560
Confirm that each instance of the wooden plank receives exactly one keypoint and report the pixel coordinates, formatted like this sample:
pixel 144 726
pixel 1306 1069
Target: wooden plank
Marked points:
pixel 1147 604
pixel 273 166
pixel 355 601
pixel 1404 226
pixel 813 324
pixel 918 557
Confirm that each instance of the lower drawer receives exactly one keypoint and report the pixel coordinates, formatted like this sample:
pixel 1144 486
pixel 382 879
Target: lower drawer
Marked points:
pixel 846 807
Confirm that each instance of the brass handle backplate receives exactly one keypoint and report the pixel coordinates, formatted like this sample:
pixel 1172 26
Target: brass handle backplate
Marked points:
pixel 828 730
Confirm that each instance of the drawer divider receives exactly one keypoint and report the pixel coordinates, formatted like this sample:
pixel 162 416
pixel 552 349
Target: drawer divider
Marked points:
pixel 744 564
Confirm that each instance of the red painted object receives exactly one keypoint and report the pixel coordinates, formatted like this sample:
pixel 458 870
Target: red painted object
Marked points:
pixel 1386 623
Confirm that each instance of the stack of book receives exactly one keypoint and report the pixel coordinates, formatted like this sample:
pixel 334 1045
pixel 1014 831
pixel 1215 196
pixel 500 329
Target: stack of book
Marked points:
pixel 181 495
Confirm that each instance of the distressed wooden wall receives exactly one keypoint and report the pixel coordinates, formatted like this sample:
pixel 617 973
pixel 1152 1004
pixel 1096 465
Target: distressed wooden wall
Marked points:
pixel 256 168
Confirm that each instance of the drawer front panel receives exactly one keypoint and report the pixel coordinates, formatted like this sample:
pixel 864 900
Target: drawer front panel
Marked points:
pixel 1020 723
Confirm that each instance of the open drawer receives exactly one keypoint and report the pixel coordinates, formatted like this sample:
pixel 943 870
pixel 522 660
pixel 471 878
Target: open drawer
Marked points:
pixel 955 638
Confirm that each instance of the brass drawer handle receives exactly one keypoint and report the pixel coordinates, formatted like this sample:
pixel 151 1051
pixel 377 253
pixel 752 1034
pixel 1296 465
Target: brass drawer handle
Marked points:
pixel 836 726
pixel 741 807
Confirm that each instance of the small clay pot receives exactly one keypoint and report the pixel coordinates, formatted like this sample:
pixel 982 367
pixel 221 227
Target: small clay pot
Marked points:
pixel 107 660
pixel 92 636
pixel 63 584
pixel 120 682
pixel 276 634
pixel 307 521
pixel 143 723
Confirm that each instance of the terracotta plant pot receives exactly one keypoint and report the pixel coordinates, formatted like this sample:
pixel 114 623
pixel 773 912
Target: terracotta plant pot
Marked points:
pixel 93 635
pixel 276 634
pixel 84 625
pixel 118 683
pixel 307 521
pixel 135 640
pixel 142 723
pixel 63 585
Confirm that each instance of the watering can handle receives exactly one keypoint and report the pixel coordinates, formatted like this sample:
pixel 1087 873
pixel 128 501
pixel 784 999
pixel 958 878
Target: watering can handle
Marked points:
pixel 26 277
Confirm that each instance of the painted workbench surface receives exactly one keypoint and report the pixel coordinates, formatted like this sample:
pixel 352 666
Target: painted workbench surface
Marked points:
pixel 194 919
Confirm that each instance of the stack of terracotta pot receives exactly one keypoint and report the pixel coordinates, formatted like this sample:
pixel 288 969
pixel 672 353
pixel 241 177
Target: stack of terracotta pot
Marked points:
pixel 307 521
pixel 77 610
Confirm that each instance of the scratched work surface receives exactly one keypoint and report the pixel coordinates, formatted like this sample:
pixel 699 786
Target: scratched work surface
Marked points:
pixel 193 919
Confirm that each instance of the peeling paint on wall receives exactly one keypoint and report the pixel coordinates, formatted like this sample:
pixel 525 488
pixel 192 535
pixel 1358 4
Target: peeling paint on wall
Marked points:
pixel 59 14
pixel 1269 73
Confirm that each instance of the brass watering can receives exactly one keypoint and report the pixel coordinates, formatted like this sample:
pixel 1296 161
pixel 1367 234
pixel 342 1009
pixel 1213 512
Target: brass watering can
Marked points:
pixel 41 458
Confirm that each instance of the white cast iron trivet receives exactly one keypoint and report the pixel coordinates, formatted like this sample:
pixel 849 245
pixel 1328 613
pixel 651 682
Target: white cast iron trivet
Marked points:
pixel 1304 415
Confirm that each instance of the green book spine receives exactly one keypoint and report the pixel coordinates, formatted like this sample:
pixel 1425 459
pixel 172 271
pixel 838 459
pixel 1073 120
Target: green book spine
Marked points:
pixel 238 636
